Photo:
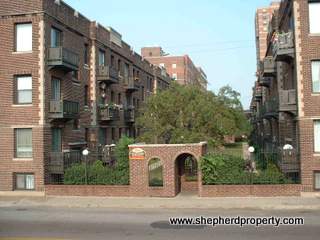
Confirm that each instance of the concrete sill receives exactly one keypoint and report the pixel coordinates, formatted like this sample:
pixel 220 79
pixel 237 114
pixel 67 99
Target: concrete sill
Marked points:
pixel 19 193
pixel 22 159
pixel 22 105
pixel 27 52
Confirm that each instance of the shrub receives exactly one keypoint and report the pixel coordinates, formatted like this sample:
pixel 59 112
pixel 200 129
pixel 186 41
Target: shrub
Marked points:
pixel 227 169
pixel 98 174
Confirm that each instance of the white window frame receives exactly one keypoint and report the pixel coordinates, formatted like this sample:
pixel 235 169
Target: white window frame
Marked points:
pixel 317 181
pixel 22 154
pixel 314 17
pixel 23 37
pixel 162 65
pixel 316 138
pixel 23 84
pixel 28 181
pixel 315 75
pixel 103 55
pixel 174 65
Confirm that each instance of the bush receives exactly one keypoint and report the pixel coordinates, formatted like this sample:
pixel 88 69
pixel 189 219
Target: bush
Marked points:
pixel 98 174
pixel 230 170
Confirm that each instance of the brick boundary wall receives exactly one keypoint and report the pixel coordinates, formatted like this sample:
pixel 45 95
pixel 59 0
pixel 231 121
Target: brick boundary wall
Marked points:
pixel 250 190
pixel 88 190
pixel 206 191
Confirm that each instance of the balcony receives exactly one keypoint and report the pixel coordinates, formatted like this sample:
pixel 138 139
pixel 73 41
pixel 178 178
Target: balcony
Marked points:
pixel 283 47
pixel 270 108
pixel 63 58
pixel 129 114
pixel 130 84
pixel 268 67
pixel 265 81
pixel 109 112
pixel 258 93
pixel 63 109
pixel 60 161
pixel 288 101
pixel 107 74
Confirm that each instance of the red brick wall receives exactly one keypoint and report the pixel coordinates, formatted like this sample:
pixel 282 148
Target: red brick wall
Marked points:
pixel 88 190
pixel 250 190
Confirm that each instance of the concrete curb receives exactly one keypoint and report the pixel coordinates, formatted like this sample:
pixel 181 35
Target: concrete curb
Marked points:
pixel 279 203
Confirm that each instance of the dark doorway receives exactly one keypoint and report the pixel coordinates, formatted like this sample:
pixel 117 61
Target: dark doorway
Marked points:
pixel 186 172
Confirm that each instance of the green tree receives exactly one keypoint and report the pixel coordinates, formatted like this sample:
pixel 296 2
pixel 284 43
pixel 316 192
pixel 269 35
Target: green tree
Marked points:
pixel 184 114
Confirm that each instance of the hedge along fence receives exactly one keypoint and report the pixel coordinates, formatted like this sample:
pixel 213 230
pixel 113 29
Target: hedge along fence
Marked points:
pixel 221 169
pixel 97 173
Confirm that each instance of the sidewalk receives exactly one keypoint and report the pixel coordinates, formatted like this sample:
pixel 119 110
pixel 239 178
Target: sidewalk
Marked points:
pixel 181 202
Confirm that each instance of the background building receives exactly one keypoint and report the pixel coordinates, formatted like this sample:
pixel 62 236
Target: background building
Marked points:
pixel 180 68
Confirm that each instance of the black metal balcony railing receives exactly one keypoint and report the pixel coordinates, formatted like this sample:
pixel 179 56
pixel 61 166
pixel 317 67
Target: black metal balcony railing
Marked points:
pixel 270 108
pixel 107 74
pixel 129 114
pixel 63 109
pixel 109 113
pixel 63 58
pixel 60 161
pixel 283 46
pixel 288 100
pixel 265 81
pixel 268 67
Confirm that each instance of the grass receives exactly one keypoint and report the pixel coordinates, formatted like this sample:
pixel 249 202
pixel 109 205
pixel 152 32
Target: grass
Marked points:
pixel 234 149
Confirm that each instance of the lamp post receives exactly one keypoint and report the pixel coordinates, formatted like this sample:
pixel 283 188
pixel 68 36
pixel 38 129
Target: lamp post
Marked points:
pixel 85 153
pixel 252 164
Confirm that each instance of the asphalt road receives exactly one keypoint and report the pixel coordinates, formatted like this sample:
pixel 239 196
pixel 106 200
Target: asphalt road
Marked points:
pixel 75 223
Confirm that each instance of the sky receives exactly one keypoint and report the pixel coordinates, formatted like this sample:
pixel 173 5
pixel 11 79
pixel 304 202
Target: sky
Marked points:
pixel 218 35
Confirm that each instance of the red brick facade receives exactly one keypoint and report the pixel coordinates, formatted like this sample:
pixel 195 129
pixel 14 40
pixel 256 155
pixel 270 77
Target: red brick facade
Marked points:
pixel 284 106
pixel 80 103
pixel 181 68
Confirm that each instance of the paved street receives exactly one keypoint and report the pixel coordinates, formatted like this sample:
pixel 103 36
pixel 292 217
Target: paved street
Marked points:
pixel 93 223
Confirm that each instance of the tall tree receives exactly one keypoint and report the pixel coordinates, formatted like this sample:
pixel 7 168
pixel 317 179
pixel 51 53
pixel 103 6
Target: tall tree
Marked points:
pixel 184 114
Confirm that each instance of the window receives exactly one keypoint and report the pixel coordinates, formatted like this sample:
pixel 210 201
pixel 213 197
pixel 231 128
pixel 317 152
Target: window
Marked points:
pixel 56 139
pixel 112 96
pixel 113 131
pixel 101 58
pixel 174 65
pixel 76 124
pixel 112 61
pixel 102 136
pixel 142 93
pixel 119 65
pixel 317 136
pixel 23 37
pixel 119 98
pixel 317 180
pixel 315 68
pixel 314 16
pixel 150 54
pixel 120 133
pixel 75 75
pixel 155 170
pixel 56 38
pixel 86 134
pixel 86 54
pixel 86 93
pixel 24 181
pixel 23 143
pixel 55 89
pixel 161 65
pixel 23 89
pixel 174 76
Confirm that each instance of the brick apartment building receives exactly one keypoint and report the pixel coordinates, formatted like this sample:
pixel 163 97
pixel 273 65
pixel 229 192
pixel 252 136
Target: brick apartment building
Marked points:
pixel 180 68
pixel 66 83
pixel 286 98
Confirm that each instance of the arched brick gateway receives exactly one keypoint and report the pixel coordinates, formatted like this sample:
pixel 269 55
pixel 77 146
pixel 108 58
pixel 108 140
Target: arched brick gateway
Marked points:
pixel 141 154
